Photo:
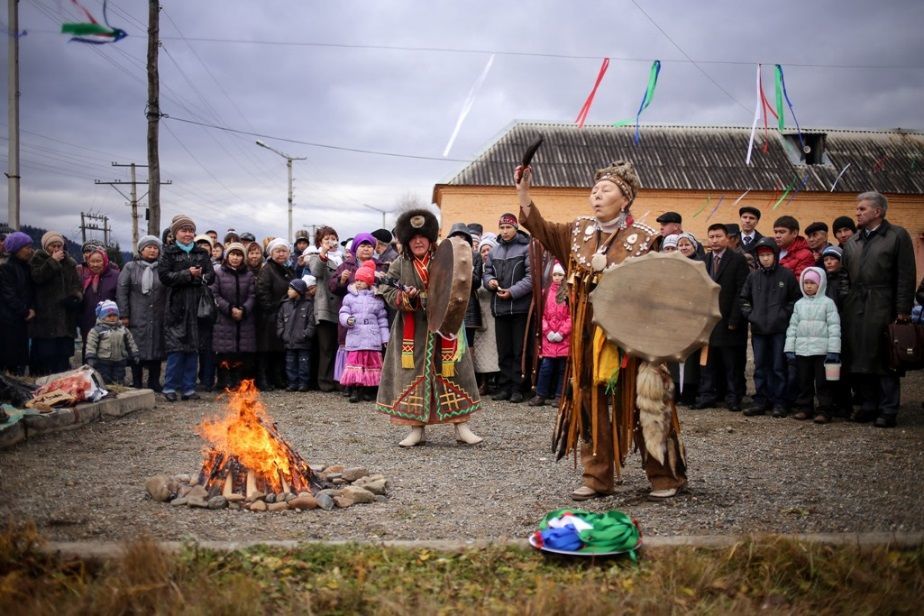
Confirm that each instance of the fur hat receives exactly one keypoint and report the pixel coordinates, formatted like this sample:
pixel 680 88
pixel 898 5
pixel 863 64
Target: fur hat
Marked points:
pixel 16 241
pixel 49 237
pixel 105 308
pixel 622 173
pixel 179 221
pixel 417 222
pixel 148 240
pixel 366 272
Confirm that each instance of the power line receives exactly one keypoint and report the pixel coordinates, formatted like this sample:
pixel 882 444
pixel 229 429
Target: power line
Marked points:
pixel 318 145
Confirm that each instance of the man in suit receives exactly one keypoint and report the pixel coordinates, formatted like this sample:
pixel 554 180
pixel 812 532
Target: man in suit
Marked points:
pixel 725 370
pixel 749 217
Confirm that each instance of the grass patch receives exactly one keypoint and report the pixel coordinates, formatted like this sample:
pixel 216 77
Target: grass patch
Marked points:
pixel 770 574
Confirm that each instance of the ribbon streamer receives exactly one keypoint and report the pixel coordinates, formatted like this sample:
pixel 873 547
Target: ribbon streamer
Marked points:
pixel 705 205
pixel 780 94
pixel 789 190
pixel 839 175
pixel 716 208
pixel 92 31
pixel 757 107
pixel 649 94
pixel 585 109
pixel 742 196
pixel 766 110
pixel 467 106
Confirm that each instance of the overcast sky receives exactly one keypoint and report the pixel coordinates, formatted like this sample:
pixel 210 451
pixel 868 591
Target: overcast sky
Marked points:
pixel 263 71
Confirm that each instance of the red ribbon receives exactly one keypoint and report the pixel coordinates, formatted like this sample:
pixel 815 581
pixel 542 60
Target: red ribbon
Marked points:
pixel 767 107
pixel 582 114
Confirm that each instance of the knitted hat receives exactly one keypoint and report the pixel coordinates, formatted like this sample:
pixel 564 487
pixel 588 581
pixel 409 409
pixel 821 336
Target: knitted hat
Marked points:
pixel 832 251
pixel 622 173
pixel 670 241
pixel 382 235
pixel 310 280
pixel 16 241
pixel 508 219
pixel 49 237
pixel 203 238
pixel 362 238
pixel 148 240
pixel 843 222
pixel 90 246
pixel 105 308
pixel 489 239
pixel 235 246
pixel 179 221
pixel 811 275
pixel 277 243
pixel 302 234
pixel 366 272
pixel 299 285
pixel 558 269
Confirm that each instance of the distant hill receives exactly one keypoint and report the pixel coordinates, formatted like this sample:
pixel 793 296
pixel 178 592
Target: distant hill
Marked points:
pixel 72 248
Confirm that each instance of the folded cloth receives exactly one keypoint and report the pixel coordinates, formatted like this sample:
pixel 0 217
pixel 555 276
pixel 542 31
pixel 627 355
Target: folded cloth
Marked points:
pixel 565 538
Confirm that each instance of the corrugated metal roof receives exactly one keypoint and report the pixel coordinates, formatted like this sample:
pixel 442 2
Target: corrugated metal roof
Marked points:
pixel 705 158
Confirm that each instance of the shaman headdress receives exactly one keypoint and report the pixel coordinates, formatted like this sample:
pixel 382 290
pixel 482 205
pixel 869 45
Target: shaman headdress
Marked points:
pixel 622 173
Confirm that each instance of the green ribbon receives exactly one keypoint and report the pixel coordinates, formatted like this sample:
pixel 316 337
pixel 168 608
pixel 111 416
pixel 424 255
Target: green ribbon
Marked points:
pixel 778 87
pixel 646 99
pixel 613 531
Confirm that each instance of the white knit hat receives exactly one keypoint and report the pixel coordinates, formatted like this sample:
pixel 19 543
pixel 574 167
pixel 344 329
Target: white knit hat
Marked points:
pixel 277 243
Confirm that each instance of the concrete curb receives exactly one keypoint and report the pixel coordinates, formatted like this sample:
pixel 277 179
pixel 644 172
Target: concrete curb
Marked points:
pixel 108 550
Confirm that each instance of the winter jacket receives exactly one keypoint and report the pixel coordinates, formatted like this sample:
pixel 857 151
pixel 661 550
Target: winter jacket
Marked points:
pixel 272 286
pixel 768 296
pixel 145 313
pixel 370 328
pixel 473 318
pixel 882 276
pixel 295 323
pixel 110 342
pixel 234 288
pixel 17 294
pixel 798 256
pixel 555 318
pixel 731 330
pixel 58 296
pixel 181 323
pixel 508 263
pixel 815 327
pixel 838 287
pixel 106 289
pixel 326 303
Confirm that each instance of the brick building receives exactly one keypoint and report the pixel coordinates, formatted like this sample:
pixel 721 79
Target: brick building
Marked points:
pixel 699 171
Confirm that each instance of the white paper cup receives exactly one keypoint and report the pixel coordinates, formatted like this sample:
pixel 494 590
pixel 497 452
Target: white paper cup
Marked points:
pixel 833 372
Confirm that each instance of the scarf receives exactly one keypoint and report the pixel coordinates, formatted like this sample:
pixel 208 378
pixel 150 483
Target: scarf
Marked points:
pixel 89 278
pixel 147 275
pixel 451 350
pixel 187 248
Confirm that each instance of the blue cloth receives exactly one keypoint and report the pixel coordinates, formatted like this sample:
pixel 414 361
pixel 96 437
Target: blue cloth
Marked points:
pixel 551 377
pixel 566 538
pixel 181 373
pixel 769 368
pixel 187 248
pixel 298 367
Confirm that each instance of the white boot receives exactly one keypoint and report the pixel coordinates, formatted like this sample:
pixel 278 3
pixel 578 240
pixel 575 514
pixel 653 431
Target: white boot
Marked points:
pixel 465 435
pixel 415 437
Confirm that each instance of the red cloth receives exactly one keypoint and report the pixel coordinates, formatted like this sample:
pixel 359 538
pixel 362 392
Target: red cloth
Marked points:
pixel 555 318
pixel 798 256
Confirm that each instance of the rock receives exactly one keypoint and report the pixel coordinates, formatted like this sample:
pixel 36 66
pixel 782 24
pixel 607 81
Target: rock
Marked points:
pixel 270 498
pixel 339 481
pixel 280 497
pixel 317 468
pixel 179 500
pixel 374 483
pixel 303 502
pixel 333 476
pixel 184 490
pixel 161 488
pixel 303 493
pixel 235 497
pixel 183 478
pixel 198 497
pixel 332 492
pixel 324 501
pixel 234 506
pixel 278 506
pixel 218 502
pixel 290 497
pixel 352 474
pixel 381 498
pixel 336 468
pixel 352 495
pixel 257 506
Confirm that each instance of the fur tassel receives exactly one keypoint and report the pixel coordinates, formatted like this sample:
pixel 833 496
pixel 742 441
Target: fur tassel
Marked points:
pixel 653 397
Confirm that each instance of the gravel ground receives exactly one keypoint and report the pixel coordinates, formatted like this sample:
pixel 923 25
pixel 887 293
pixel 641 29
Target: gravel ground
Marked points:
pixel 746 475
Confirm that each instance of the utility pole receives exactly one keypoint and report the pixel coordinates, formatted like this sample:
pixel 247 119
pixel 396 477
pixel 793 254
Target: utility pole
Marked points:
pixel 86 226
pixel 153 115
pixel 133 197
pixel 12 175
pixel 289 160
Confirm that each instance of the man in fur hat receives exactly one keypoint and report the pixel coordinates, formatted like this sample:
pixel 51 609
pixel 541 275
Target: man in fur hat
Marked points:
pixel 426 379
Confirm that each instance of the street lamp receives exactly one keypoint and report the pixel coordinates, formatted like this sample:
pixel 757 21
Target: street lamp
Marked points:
pixel 377 210
pixel 289 160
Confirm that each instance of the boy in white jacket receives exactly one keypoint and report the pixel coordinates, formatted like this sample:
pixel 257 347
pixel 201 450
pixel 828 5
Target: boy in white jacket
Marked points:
pixel 812 340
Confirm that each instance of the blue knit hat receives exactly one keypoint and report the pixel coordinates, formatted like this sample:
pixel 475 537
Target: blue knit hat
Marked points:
pixel 105 308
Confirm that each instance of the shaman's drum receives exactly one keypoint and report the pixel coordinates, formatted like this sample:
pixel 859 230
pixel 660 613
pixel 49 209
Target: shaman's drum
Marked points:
pixel 657 307
pixel 450 286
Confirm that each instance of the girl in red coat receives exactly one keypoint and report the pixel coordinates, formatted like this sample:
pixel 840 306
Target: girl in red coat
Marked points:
pixel 556 339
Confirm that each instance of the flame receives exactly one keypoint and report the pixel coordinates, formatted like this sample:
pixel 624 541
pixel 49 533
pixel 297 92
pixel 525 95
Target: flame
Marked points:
pixel 248 433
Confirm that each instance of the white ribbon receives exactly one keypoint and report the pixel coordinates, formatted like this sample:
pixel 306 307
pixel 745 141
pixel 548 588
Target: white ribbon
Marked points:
pixel 757 105
pixel 838 178
pixel 468 104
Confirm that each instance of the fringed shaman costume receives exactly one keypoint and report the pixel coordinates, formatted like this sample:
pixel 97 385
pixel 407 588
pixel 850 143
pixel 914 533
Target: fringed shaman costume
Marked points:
pixel 613 398
pixel 426 379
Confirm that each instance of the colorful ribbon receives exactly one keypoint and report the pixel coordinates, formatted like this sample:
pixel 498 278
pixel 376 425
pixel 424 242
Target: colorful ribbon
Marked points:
pixel 467 106
pixel 585 109
pixel 705 205
pixel 781 93
pixel 839 175
pixel 649 94
pixel 102 33
pixel 789 189
pixel 758 105
pixel 716 208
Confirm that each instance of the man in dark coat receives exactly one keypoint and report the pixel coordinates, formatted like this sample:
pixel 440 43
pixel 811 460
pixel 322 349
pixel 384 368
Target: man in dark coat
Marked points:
pixel 17 303
pixel 749 216
pixel 186 270
pixel 729 269
pixel 879 260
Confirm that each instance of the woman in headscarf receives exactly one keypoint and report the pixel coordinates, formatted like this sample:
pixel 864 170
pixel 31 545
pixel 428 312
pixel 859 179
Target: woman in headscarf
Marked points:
pixel 100 283
pixel 141 306
pixel 484 346
pixel 426 379
pixel 600 406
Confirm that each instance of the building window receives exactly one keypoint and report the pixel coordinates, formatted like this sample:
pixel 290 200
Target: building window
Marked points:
pixel 809 151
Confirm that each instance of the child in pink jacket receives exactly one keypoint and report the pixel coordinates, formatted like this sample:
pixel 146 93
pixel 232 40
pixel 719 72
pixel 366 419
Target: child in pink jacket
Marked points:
pixel 556 339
